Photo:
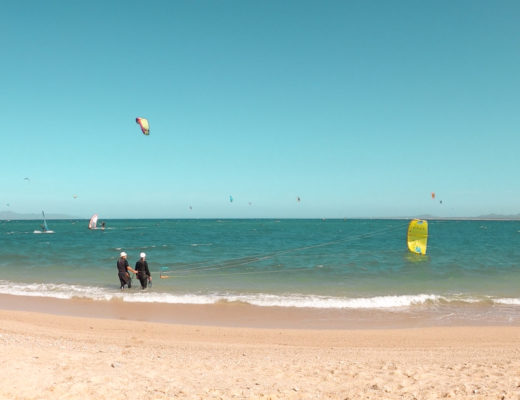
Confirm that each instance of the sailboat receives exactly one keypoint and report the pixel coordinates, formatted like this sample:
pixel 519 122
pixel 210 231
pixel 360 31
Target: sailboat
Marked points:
pixel 45 228
pixel 93 222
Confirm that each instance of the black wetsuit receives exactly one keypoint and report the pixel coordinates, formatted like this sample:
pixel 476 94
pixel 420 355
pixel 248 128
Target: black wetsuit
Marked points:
pixel 143 273
pixel 122 272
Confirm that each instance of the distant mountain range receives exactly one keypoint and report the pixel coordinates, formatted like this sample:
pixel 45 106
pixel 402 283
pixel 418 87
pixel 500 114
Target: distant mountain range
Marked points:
pixel 10 215
pixel 490 217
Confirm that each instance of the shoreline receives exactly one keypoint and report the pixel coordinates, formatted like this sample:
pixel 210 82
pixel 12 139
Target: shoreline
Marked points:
pixel 238 314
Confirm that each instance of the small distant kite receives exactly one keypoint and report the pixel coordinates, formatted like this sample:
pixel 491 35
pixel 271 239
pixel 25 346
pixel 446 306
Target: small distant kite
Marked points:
pixel 433 197
pixel 26 179
pixel 231 199
pixel 75 196
pixel 145 126
pixel 191 208
pixel 298 199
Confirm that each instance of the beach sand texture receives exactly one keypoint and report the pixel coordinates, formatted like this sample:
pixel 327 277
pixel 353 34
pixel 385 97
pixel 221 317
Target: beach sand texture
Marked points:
pixel 46 356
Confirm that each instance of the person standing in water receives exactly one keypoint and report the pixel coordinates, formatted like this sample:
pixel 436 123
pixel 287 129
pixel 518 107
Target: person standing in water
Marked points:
pixel 122 271
pixel 143 273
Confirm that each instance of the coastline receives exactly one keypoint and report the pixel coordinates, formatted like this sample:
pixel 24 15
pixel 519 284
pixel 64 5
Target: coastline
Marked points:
pixel 243 315
pixel 48 356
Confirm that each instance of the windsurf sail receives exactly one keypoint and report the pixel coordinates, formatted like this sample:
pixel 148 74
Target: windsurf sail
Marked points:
pixel 45 227
pixel 143 123
pixel 417 236
pixel 93 222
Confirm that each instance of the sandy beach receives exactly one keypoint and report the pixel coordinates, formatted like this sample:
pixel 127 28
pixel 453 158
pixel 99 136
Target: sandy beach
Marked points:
pixel 49 356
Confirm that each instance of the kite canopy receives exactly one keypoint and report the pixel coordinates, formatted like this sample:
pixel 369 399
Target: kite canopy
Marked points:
pixel 417 236
pixel 143 123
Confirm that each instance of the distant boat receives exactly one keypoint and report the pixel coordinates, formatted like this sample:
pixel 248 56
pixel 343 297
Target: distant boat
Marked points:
pixel 44 227
pixel 93 222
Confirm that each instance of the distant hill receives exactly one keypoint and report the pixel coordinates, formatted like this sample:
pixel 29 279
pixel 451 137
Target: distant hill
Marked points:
pixel 499 216
pixel 11 215
pixel 487 217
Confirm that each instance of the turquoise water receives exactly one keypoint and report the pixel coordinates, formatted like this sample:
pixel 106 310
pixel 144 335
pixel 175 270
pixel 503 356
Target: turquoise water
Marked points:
pixel 351 264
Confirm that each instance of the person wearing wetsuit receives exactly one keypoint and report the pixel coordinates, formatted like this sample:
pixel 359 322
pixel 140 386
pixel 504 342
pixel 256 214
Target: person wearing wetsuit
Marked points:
pixel 143 273
pixel 122 271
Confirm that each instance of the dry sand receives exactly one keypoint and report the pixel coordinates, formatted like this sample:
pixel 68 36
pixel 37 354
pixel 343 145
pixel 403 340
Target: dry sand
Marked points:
pixel 45 356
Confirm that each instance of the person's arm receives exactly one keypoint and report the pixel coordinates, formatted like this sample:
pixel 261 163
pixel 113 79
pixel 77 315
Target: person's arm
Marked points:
pixel 129 268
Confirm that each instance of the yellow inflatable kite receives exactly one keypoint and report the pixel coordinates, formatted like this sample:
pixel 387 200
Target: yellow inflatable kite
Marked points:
pixel 417 236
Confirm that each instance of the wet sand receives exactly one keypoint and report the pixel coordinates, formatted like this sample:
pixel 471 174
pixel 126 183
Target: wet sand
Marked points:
pixel 49 355
pixel 236 314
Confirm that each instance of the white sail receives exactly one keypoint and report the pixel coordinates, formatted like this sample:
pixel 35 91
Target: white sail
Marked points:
pixel 93 222
pixel 45 228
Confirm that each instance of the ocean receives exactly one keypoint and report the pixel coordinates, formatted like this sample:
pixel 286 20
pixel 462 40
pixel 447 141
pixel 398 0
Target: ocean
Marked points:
pixel 471 270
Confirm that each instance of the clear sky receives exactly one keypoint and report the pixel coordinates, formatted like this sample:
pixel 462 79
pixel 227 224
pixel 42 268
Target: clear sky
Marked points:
pixel 360 108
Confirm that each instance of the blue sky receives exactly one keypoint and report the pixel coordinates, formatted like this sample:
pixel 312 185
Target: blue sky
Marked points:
pixel 360 108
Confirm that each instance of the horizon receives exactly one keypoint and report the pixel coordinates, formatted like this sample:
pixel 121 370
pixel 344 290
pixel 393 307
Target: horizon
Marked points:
pixel 52 216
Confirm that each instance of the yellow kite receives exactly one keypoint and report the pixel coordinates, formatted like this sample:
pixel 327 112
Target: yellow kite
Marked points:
pixel 417 236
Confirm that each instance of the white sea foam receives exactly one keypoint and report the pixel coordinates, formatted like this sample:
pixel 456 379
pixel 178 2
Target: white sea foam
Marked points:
pixel 290 300
pixel 69 291
pixel 508 301
pixel 295 300
pixel 153 297
pixel 59 291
